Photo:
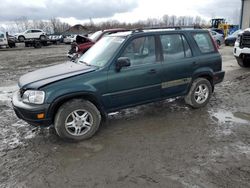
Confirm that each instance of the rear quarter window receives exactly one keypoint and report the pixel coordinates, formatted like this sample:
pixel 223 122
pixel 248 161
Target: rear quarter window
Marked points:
pixel 204 42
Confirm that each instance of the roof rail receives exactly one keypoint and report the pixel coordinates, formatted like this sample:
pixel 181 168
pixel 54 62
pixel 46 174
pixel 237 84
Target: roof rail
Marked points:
pixel 166 27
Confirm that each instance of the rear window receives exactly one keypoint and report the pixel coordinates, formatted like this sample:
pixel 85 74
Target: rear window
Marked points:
pixel 204 42
pixel 36 31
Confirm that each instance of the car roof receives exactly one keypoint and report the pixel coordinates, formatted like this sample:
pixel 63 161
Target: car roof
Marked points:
pixel 115 29
pixel 155 31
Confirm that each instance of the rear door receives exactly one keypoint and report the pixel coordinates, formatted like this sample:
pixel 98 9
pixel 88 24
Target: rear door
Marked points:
pixel 207 56
pixel 36 33
pixel 178 63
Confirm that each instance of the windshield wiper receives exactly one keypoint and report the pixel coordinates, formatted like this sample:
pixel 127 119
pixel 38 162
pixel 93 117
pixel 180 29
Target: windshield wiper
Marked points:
pixel 84 63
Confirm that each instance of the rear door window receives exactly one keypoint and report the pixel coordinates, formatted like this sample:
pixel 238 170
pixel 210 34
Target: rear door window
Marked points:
pixel 175 47
pixel 36 31
pixel 204 42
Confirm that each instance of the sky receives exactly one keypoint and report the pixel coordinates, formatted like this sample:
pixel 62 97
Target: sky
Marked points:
pixel 80 11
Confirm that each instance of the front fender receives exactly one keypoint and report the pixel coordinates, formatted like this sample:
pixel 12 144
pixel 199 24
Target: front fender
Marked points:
pixel 55 105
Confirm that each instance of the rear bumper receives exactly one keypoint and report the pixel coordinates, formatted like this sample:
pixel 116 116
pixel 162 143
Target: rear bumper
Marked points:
pixel 29 112
pixel 218 77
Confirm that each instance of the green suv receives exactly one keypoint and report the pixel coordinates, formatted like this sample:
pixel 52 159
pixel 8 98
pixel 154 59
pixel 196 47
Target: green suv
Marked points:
pixel 120 71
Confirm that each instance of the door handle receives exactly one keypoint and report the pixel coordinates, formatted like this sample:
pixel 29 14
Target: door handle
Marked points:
pixel 152 71
pixel 195 63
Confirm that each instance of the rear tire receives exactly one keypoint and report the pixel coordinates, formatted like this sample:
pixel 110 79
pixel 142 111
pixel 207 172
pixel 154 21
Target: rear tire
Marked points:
pixel 77 120
pixel 21 38
pixel 37 45
pixel 199 93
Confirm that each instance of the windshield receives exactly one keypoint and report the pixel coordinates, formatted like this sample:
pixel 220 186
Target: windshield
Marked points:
pixel 99 54
pixel 95 35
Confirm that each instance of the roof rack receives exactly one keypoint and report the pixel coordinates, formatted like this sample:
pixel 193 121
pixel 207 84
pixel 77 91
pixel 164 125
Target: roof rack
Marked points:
pixel 166 27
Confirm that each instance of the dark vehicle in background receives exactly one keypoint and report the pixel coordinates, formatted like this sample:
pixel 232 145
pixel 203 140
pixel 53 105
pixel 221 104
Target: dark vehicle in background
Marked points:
pixel 230 40
pixel 55 39
pixel 11 41
pixel 121 70
pixel 83 43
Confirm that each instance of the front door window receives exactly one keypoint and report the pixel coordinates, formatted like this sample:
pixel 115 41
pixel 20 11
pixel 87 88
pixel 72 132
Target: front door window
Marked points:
pixel 141 51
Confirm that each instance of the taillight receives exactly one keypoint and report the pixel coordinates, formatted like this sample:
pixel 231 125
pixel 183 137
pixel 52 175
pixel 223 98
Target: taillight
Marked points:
pixel 216 46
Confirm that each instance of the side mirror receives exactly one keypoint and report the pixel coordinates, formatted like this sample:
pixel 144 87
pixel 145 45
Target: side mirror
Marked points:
pixel 122 62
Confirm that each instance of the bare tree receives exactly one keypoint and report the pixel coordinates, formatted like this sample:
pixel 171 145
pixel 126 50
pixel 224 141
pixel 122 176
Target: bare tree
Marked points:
pixel 22 23
pixel 166 19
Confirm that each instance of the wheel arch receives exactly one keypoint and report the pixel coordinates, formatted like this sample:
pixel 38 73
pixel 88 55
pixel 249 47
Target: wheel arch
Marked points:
pixel 21 36
pixel 57 103
pixel 206 75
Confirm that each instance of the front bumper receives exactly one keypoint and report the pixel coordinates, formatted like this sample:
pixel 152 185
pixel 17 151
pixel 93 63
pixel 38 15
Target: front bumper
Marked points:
pixel 238 51
pixel 218 77
pixel 29 112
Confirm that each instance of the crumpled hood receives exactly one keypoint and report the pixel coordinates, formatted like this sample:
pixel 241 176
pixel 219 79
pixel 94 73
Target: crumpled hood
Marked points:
pixel 82 39
pixel 51 74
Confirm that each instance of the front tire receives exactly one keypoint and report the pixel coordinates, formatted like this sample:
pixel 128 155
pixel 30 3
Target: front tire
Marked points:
pixel 42 37
pixel 199 93
pixel 243 61
pixel 77 120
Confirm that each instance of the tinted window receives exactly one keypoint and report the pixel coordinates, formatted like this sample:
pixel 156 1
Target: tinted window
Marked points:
pixel 187 49
pixel 36 31
pixel 140 50
pixel 204 42
pixel 172 47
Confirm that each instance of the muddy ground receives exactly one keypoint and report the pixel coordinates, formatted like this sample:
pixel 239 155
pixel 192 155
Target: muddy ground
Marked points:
pixel 164 144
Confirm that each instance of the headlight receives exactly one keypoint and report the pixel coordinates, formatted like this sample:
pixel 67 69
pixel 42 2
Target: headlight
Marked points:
pixel 33 96
pixel 238 38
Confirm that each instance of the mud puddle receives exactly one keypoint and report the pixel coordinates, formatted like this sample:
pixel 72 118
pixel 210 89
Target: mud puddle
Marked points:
pixel 223 116
pixel 6 93
pixel 13 131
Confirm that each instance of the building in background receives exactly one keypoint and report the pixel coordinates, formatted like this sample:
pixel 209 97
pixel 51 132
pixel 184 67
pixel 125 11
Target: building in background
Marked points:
pixel 76 30
pixel 245 14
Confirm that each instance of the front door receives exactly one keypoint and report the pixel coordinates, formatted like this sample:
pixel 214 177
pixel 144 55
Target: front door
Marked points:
pixel 141 81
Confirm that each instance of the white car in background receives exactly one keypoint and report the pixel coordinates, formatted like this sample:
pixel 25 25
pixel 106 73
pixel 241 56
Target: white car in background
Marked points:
pixel 3 39
pixel 69 39
pixel 31 34
pixel 218 38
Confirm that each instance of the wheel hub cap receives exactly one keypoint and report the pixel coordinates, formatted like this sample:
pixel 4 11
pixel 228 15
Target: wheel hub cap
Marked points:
pixel 201 93
pixel 78 122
